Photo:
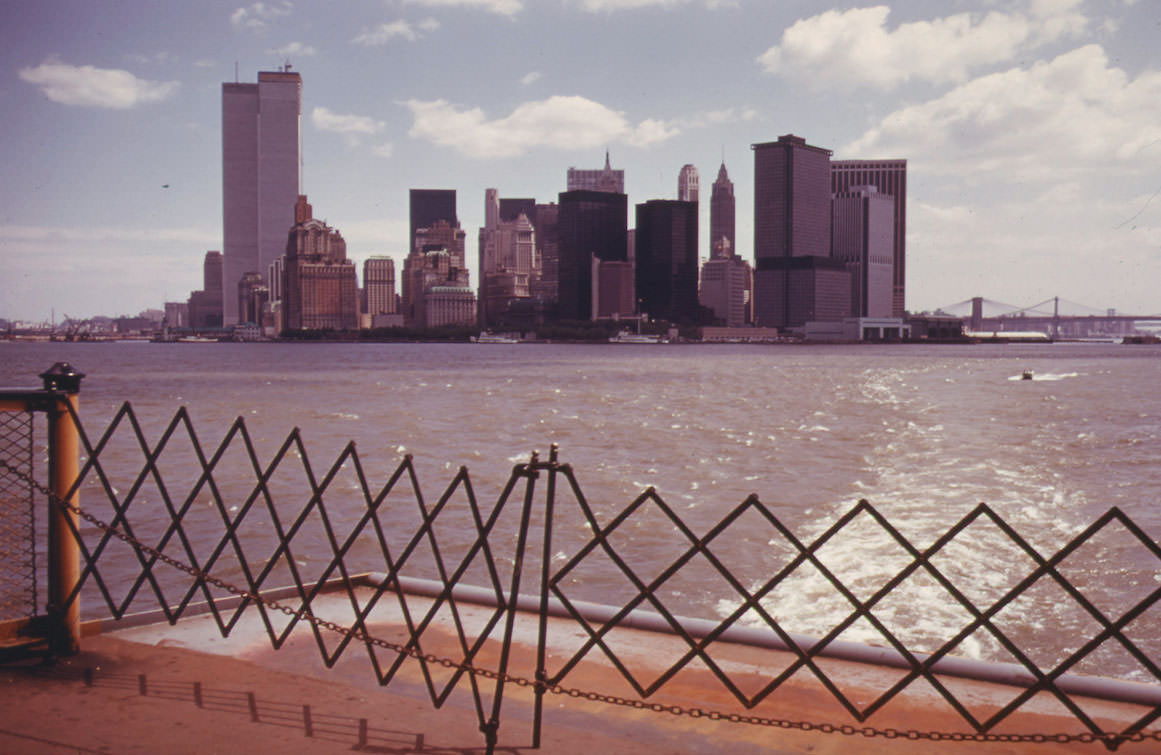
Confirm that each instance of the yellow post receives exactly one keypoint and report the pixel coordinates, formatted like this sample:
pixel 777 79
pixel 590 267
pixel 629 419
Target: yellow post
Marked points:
pixel 64 553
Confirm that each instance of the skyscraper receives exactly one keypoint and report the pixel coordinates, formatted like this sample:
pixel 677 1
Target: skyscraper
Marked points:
pixel 722 215
pixel 666 277
pixel 589 224
pixel 260 175
pixel 863 237
pixel 603 179
pixel 890 178
pixel 379 286
pixel 687 184
pixel 795 278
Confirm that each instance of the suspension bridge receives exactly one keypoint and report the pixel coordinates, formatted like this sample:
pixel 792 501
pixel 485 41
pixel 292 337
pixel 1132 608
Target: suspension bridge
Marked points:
pixel 1054 316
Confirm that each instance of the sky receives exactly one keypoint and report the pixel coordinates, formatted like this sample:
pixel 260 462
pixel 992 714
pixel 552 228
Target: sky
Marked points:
pixel 1032 128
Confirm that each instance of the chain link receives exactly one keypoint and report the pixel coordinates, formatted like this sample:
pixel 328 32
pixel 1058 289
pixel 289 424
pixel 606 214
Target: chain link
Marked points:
pixel 1111 740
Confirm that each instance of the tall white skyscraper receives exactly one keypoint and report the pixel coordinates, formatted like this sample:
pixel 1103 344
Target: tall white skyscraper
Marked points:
pixel 260 175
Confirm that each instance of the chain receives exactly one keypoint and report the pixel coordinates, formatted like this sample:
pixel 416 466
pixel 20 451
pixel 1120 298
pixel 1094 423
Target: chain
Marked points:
pixel 1111 740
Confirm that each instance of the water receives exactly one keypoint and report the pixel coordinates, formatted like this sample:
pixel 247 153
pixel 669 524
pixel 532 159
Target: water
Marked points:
pixel 922 432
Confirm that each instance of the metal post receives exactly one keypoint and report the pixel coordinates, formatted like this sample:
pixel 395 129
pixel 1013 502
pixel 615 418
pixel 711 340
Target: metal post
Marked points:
pixel 64 555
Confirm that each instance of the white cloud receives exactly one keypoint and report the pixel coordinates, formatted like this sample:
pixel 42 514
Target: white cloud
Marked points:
pixel 559 122
pixel 258 15
pixel 855 46
pixel 530 78
pixel 88 86
pixel 386 149
pixel 1073 113
pixel 500 7
pixel 294 49
pixel 353 127
pixel 401 29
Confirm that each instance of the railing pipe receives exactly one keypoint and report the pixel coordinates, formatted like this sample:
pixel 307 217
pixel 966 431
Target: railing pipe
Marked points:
pixel 1009 674
pixel 64 555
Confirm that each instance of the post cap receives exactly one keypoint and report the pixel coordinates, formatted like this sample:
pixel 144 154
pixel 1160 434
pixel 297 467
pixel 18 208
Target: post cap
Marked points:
pixel 62 377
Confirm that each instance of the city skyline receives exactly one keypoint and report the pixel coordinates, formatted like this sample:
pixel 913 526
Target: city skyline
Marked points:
pixel 1030 129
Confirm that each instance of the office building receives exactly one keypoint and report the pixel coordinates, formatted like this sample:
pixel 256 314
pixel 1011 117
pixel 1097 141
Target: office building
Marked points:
pixel 667 259
pixel 205 306
pixel 320 287
pixel 589 224
pixel 795 278
pixel 722 216
pixel 726 287
pixel 379 287
pixel 436 286
pixel 687 184
pixel 863 237
pixel 890 178
pixel 427 207
pixel 260 175
pixel 602 179
pixel 613 289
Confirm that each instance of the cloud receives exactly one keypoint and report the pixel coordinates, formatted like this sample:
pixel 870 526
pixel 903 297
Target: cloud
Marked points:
pixel 384 33
pixel 353 127
pixel 386 149
pixel 1073 113
pixel 294 49
pixel 500 7
pixel 256 16
pixel 88 86
pixel 854 47
pixel 530 78
pixel 559 122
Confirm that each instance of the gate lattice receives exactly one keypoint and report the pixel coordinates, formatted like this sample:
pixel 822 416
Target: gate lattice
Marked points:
pixel 209 515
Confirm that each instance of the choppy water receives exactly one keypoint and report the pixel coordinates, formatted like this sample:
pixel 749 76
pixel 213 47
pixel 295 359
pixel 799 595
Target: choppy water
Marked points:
pixel 923 433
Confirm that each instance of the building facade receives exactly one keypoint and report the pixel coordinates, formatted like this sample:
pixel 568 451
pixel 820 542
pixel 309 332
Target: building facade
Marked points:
pixel 260 175
pixel 589 224
pixel 890 178
pixel 667 259
pixel 863 237
pixel 795 279
pixel 726 285
pixel 320 287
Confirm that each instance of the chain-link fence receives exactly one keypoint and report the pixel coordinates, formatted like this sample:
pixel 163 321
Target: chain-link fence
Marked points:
pixel 18 572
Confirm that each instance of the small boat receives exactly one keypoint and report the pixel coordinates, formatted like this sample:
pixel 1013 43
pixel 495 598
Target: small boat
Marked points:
pixel 1026 375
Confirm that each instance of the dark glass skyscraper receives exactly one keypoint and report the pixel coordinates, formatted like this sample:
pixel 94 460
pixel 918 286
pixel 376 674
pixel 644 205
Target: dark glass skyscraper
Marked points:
pixel 666 279
pixel 795 278
pixel 428 207
pixel 589 224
